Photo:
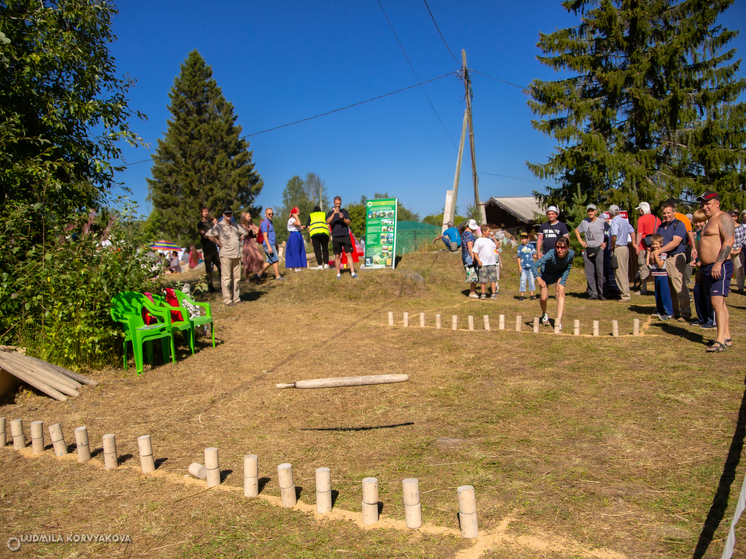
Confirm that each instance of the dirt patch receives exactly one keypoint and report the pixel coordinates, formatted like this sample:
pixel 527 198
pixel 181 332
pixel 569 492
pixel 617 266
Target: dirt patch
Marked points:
pixel 576 446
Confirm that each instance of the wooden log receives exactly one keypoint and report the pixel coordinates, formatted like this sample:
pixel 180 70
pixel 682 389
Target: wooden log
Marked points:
pixel 337 382
pixel 82 379
pixel 23 361
pixel 39 385
pixel 14 368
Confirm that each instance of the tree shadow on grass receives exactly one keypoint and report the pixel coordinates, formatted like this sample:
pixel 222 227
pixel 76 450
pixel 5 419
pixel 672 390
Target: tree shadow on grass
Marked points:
pixel 722 493
pixel 359 428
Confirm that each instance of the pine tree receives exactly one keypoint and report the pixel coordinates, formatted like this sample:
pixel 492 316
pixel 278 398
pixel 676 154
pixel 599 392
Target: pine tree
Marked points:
pixel 202 159
pixel 649 108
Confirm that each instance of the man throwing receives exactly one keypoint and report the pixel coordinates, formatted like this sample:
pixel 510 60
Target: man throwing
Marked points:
pixel 554 267
pixel 717 268
pixel 339 220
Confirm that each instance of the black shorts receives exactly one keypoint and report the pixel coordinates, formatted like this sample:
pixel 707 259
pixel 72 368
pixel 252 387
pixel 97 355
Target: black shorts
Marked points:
pixel 339 243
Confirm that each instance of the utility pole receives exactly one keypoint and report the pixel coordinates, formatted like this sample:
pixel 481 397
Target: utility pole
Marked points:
pixel 449 212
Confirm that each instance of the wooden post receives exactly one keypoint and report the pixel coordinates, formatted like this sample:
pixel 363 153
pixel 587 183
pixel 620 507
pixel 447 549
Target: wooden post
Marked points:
pixel 487 322
pixel 37 436
pixel 518 323
pixel 81 441
pixel 437 321
pixel 250 475
pixel 595 328
pixel 370 500
pixel 467 86
pixel 636 327
pixel 145 447
pixel 467 505
pixel 615 328
pixel 16 431
pixel 576 328
pixel 454 323
pixel 323 490
pixel 391 318
pixel 412 505
pixel 212 467
pixel 536 325
pixel 422 320
pixel 471 323
pixel 405 321
pixel 58 440
pixel 111 460
pixel 287 485
pixel 501 322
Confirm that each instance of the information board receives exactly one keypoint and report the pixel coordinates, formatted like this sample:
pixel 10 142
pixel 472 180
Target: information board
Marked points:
pixel 380 233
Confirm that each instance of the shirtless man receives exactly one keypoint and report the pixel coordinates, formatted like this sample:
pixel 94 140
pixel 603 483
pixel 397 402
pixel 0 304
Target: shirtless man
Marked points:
pixel 717 268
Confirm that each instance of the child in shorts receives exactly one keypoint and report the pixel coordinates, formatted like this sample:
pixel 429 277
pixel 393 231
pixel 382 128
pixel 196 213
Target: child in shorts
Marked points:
pixel 657 262
pixel 486 258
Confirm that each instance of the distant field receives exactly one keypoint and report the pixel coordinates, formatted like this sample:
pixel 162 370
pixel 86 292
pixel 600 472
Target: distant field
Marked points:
pixel 576 446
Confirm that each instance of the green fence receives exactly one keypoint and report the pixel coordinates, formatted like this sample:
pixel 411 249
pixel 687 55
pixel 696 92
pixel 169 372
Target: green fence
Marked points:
pixel 410 235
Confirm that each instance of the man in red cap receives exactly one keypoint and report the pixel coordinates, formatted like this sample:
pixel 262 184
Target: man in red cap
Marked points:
pixel 717 268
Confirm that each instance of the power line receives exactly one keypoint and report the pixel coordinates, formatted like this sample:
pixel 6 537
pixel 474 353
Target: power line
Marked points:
pixel 507 177
pixel 499 80
pixel 137 162
pixel 415 73
pixel 441 34
pixel 349 106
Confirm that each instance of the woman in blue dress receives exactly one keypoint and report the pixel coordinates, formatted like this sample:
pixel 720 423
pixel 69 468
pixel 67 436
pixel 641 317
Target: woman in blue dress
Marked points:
pixel 295 252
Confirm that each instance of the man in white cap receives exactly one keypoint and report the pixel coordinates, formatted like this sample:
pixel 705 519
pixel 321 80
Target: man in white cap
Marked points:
pixel 621 234
pixel 550 231
pixel 647 224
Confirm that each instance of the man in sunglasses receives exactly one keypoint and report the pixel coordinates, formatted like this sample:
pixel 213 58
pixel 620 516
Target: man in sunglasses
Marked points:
pixel 270 245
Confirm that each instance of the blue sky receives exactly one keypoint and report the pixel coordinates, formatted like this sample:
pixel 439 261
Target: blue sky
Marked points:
pixel 278 61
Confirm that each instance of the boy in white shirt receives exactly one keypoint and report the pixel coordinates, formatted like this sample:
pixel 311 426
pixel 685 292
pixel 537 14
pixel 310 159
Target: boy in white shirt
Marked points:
pixel 486 258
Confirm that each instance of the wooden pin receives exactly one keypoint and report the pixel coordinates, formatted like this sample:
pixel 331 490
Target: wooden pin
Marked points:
pixel 437 321
pixel 536 325
pixel 37 436
pixel 212 467
pixel 412 505
pixel 406 319
pixel 58 440
pixel 501 322
pixel 487 322
pixel 370 500
pixel 615 328
pixel 595 328
pixel 111 460
pixel 422 320
pixel 197 470
pixel 323 490
pixel 391 318
pixel 287 485
pixel 250 475
pixel 145 446
pixel 454 323
pixel 471 323
pixel 576 328
pixel 518 323
pixel 636 327
pixel 3 435
pixel 81 442
pixel 467 515
pixel 16 431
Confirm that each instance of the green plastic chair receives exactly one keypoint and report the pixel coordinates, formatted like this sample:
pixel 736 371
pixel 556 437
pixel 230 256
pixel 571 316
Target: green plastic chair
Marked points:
pixel 198 320
pixel 183 325
pixel 126 308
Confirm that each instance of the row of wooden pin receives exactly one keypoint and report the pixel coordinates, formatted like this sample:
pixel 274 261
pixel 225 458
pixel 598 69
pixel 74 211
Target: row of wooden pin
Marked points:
pixel 518 324
pixel 210 472
pixel 82 444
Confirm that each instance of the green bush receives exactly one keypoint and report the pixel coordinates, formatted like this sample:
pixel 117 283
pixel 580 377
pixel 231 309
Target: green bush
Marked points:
pixel 57 282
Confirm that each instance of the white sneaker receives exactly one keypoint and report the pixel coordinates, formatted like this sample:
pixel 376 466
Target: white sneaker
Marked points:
pixel 326 266
pixel 473 295
pixel 545 319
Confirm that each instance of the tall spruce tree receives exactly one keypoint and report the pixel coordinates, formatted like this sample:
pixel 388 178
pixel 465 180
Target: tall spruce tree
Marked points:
pixel 649 107
pixel 202 159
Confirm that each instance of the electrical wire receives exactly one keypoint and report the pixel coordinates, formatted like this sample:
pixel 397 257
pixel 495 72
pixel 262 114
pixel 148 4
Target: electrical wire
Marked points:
pixel 499 80
pixel 441 34
pixel 507 177
pixel 349 106
pixel 415 73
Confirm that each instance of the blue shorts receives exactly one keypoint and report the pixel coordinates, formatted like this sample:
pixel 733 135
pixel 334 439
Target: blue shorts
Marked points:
pixel 271 258
pixel 719 287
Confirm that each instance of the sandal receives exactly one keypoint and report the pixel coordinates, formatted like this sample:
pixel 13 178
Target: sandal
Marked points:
pixel 728 343
pixel 716 347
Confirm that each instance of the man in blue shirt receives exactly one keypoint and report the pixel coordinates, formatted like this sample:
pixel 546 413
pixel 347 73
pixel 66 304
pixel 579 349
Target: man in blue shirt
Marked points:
pixel 270 245
pixel 674 245
pixel 450 238
pixel 621 234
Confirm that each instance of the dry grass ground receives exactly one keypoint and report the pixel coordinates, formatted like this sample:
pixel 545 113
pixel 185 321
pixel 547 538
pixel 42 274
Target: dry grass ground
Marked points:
pixel 576 446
